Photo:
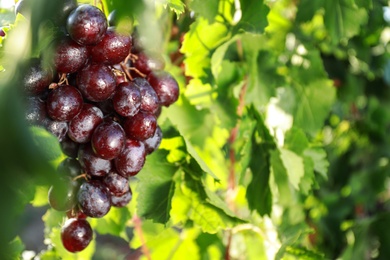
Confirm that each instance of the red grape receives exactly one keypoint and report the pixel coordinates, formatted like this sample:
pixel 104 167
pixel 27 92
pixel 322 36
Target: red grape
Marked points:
pixel 94 199
pixel 108 139
pixel 96 82
pixel 86 24
pixel 76 234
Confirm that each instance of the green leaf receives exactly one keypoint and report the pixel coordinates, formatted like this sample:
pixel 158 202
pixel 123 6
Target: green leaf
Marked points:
pixel 313 104
pixel 47 142
pixel 320 160
pixel 340 19
pixel 254 16
pixel 307 9
pixel 176 6
pixel 281 179
pixel 208 9
pixel 15 249
pixel 258 193
pixel 114 223
pixel 194 125
pixel 41 196
pixel 198 45
pixel 295 140
pixel 156 187
pixel 294 166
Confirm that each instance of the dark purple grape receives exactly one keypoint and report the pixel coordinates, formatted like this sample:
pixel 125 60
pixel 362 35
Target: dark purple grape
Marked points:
pixel 76 234
pixel 148 62
pixel 84 123
pixel 127 99
pixel 152 143
pixel 37 78
pixel 121 200
pixel 141 126
pixel 64 102
pixel 58 128
pixel 69 167
pixel 35 112
pixel 116 184
pixel 62 197
pixel 165 85
pixel 2 32
pixel 69 147
pixel 86 24
pixel 94 199
pixel 96 82
pixel 108 139
pixel 132 158
pixel 112 49
pixel 149 98
pixel 91 163
pixel 69 56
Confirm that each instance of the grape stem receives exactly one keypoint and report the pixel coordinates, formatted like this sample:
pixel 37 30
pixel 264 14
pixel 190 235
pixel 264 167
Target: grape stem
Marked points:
pixel 138 228
pixel 232 157
pixel 83 175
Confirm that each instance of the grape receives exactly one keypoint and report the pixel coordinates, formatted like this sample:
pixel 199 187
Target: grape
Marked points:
pixel 121 200
pixel 152 143
pixel 91 163
pixel 58 128
pixel 108 139
pixel 69 56
pixel 69 167
pixel 96 82
pixel 64 102
pixel 149 98
pixel 37 77
pixel 141 126
pixel 165 86
pixel 116 184
pixel 147 63
pixel 62 197
pixel 2 32
pixel 94 199
pixel 84 123
pixel 62 11
pixel 69 147
pixel 112 49
pixel 132 158
pixel 127 99
pixel 35 112
pixel 86 24
pixel 76 234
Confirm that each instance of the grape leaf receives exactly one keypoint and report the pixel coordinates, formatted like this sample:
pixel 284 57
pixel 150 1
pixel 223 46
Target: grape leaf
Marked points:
pixel 307 9
pixel 156 187
pixel 340 19
pixel 15 248
pixel 47 142
pixel 176 6
pixel 254 16
pixel 198 44
pixel 114 223
pixel 313 104
pixel 319 158
pixel 207 9
pixel 258 193
pixel 280 176
pixel 193 125
pixel 293 165
pixel 295 140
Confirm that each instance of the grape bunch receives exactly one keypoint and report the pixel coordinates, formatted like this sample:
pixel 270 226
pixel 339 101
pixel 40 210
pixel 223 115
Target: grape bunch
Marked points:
pixel 100 93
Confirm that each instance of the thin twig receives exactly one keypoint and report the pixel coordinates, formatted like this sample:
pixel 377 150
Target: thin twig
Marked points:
pixel 138 228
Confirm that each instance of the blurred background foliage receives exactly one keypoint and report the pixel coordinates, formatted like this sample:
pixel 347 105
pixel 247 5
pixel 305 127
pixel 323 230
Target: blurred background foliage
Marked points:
pixel 276 149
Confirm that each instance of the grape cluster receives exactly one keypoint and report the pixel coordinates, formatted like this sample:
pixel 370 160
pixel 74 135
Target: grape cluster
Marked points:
pixel 100 93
